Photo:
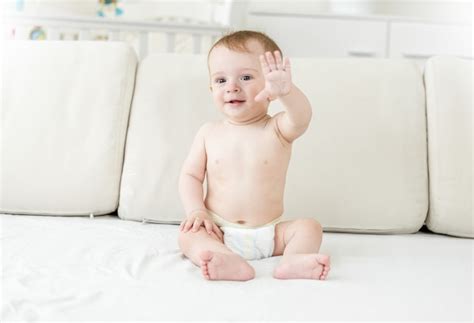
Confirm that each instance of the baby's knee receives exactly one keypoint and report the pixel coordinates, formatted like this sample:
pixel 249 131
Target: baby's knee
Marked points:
pixel 182 240
pixel 310 224
pixel 187 240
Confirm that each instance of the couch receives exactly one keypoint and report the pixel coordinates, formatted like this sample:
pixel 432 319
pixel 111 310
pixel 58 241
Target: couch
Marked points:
pixel 92 144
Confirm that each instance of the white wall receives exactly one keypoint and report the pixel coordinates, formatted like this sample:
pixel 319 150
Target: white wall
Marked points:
pixel 133 9
pixel 456 10
pixel 440 10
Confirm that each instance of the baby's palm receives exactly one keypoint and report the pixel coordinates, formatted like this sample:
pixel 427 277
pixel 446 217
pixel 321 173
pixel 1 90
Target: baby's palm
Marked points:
pixel 277 76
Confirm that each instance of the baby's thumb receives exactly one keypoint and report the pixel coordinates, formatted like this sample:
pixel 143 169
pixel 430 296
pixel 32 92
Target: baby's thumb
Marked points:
pixel 262 96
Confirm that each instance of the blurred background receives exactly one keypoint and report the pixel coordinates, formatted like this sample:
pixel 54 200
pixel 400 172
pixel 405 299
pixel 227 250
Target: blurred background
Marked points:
pixel 410 29
pixel 439 10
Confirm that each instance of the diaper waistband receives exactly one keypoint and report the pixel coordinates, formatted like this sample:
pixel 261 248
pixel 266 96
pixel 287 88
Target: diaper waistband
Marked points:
pixel 224 223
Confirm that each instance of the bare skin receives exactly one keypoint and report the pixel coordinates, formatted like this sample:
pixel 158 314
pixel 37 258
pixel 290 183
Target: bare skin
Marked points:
pixel 245 158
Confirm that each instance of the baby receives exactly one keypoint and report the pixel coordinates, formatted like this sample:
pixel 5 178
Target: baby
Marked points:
pixel 245 158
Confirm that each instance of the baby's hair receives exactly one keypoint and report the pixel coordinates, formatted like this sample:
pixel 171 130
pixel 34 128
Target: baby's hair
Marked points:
pixel 237 41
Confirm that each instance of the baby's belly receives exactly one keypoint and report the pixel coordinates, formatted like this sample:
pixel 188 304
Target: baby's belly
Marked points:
pixel 246 200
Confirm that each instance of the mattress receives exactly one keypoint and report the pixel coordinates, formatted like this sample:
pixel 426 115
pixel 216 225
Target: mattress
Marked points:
pixel 104 268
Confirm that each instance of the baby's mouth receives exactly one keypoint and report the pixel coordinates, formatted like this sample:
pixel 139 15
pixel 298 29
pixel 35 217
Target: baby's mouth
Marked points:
pixel 236 101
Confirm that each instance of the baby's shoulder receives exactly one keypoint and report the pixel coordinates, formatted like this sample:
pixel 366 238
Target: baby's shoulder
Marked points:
pixel 208 128
pixel 213 125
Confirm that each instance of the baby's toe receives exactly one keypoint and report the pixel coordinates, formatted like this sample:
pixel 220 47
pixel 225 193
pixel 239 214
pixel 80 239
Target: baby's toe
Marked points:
pixel 205 272
pixel 324 274
pixel 323 259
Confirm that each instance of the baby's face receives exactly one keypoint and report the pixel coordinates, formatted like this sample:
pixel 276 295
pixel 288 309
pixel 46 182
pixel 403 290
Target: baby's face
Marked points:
pixel 236 78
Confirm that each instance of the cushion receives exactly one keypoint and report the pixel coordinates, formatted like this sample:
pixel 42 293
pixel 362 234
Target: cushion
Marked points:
pixel 171 101
pixel 449 112
pixel 361 166
pixel 64 121
pixel 110 270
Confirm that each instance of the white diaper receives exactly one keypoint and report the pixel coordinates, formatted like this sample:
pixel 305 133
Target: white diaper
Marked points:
pixel 251 243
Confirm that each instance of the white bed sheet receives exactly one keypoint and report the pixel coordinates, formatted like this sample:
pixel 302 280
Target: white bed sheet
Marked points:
pixel 63 268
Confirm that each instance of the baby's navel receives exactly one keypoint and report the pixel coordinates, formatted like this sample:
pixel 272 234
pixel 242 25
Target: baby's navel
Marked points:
pixel 241 222
pixel 265 162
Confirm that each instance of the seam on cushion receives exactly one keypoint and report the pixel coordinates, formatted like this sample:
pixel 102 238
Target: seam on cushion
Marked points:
pixel 59 213
pixel 427 148
pixel 123 123
pixel 435 113
pixel 432 117
pixel 454 233
pixel 127 127
pixel 371 231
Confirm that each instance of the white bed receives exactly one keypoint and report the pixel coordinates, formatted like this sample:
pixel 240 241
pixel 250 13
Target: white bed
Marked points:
pixel 73 268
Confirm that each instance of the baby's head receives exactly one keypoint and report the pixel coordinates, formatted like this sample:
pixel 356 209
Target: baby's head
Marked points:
pixel 236 74
pixel 238 41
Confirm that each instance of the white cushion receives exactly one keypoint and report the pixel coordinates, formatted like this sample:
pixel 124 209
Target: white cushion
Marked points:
pixel 64 121
pixel 110 270
pixel 171 101
pixel 449 111
pixel 360 167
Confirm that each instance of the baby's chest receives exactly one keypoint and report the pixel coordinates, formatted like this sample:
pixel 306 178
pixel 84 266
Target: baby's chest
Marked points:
pixel 257 153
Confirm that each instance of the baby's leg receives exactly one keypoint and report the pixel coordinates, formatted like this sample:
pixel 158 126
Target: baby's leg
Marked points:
pixel 217 262
pixel 299 242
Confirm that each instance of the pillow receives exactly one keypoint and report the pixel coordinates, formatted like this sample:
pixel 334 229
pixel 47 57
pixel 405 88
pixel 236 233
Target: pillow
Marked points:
pixel 360 167
pixel 64 121
pixel 448 82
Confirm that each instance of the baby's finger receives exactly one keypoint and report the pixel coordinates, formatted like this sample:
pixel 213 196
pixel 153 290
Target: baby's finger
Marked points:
pixel 217 231
pixel 197 224
pixel 208 226
pixel 265 67
pixel 278 60
pixel 271 61
pixel 187 225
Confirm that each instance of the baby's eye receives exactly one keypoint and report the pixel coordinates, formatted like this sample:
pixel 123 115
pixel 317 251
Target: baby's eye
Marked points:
pixel 219 80
pixel 246 77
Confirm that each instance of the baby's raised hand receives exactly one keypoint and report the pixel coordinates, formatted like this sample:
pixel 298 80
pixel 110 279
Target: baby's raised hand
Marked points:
pixel 200 218
pixel 277 76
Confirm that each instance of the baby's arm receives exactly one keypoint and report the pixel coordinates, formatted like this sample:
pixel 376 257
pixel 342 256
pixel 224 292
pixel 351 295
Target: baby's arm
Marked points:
pixel 191 191
pixel 293 122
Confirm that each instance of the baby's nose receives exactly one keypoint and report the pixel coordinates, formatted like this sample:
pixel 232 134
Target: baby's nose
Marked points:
pixel 232 87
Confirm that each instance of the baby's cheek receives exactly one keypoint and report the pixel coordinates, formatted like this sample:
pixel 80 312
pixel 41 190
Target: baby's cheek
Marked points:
pixel 217 98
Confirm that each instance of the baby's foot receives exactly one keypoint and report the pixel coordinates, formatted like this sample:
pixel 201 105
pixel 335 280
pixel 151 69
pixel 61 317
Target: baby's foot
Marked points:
pixel 220 266
pixel 306 266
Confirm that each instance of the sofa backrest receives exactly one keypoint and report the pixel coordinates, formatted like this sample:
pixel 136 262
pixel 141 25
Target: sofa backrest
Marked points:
pixel 361 166
pixel 171 100
pixel 449 107
pixel 65 110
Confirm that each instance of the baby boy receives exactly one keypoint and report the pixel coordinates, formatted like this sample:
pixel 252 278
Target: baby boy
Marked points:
pixel 245 157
